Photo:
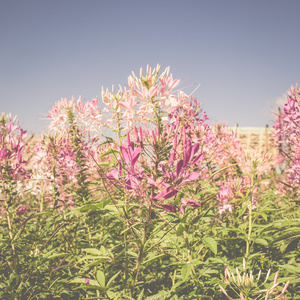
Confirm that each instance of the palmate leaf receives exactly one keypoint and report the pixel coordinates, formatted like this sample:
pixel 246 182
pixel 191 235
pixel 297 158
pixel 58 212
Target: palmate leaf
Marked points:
pixel 288 236
pixel 290 268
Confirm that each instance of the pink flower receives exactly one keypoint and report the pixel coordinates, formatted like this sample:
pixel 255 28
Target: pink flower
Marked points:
pixel 22 210
pixel 190 202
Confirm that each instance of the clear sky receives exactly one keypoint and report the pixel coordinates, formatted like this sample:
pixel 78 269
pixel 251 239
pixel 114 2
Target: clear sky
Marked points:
pixel 245 54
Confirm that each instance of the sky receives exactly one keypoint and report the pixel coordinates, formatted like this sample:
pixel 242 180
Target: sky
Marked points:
pixel 244 54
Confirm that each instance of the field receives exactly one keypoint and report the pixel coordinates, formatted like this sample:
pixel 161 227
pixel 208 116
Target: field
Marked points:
pixel 144 200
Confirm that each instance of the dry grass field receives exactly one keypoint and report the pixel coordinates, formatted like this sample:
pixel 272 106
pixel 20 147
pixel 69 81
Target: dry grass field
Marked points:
pixel 259 139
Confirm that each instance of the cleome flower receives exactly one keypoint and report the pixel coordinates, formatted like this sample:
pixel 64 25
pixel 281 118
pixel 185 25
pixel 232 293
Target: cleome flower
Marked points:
pixel 246 287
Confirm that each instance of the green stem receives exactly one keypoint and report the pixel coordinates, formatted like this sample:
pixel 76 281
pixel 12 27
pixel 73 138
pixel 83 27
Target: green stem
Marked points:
pixel 139 261
pixel 250 227
pixel 190 255
pixel 10 233
pixel 14 257
pixel 42 202
pixel 119 128
pixel 126 254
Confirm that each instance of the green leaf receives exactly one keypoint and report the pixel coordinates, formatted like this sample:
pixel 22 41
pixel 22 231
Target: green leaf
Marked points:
pixel 87 207
pixel 110 151
pixel 180 229
pixel 132 254
pixel 159 296
pixel 262 242
pixel 242 210
pixel 82 281
pixel 290 268
pixel 47 254
pixel 113 278
pixel 196 262
pixel 140 296
pixel 42 213
pixel 103 164
pixel 102 204
pixel 99 259
pixel 103 250
pixel 264 216
pixel 211 244
pixel 152 257
pixel 56 255
pixel 100 277
pixel 186 271
pixel 93 251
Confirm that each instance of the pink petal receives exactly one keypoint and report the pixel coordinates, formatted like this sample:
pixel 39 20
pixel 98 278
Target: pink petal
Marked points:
pixel 141 133
pixel 196 147
pixel 113 174
pixel 161 194
pixel 124 104
pixel 124 154
pixel 135 155
pixel 165 194
pixel 152 91
pixel 192 202
pixel 181 209
pixel 165 171
pixel 197 158
pixel 174 83
pixel 95 102
pixel 285 287
pixel 151 182
pixel 170 208
pixel 175 142
pixel 139 94
pixel 170 194
pixel 136 134
pixel 192 176
pixel 171 159
pixel 179 167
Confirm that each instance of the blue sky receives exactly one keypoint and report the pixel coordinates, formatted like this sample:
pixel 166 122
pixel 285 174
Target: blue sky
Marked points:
pixel 245 54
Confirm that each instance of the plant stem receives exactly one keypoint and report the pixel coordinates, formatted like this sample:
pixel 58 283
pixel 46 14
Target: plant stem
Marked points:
pixel 250 227
pixel 10 233
pixel 139 261
pixel 14 257
pixel 42 202
pixel 126 254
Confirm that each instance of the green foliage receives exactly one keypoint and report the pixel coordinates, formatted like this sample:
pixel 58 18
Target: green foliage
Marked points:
pixel 183 257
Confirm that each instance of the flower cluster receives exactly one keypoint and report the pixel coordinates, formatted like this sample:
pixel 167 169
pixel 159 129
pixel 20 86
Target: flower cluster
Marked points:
pixel 233 191
pixel 13 173
pixel 287 135
pixel 245 286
